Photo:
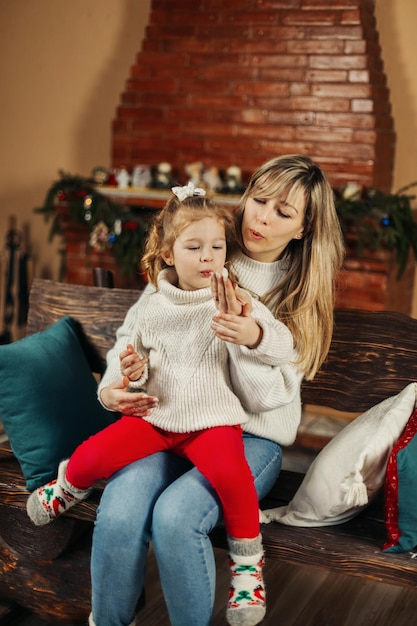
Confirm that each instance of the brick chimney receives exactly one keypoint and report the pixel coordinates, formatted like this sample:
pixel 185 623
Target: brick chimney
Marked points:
pixel 238 82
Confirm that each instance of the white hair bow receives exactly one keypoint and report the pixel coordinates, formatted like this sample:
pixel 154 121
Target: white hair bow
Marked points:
pixel 188 191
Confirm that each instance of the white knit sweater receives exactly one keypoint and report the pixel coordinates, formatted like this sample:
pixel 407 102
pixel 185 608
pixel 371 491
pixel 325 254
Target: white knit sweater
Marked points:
pixel 279 424
pixel 189 367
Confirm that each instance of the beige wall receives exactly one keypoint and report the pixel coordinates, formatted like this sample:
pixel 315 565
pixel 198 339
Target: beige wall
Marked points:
pixel 62 67
pixel 396 21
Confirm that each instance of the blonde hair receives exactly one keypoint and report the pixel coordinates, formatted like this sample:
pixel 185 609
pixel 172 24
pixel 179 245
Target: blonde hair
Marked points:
pixel 304 299
pixel 173 219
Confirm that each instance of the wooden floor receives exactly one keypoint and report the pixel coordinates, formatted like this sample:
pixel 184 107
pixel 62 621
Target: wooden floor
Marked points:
pixel 297 596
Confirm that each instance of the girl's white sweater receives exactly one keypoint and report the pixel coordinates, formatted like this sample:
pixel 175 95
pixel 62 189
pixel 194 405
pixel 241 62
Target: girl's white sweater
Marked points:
pixel 196 376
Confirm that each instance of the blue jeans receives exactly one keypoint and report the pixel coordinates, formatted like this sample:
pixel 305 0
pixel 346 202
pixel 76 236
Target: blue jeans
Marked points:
pixel 165 499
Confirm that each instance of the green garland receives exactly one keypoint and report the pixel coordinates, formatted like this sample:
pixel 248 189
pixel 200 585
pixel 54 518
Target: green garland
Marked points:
pixel 125 229
pixel 376 220
pixel 371 218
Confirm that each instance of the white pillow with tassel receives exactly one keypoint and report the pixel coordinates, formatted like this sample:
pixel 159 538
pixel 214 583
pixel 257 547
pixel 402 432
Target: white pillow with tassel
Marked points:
pixel 350 470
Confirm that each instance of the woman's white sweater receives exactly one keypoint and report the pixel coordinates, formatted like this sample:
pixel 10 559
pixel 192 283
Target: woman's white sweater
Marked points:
pixel 201 381
pixel 279 424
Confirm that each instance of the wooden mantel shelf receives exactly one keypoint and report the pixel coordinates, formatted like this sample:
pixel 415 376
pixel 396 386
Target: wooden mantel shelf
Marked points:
pixel 154 198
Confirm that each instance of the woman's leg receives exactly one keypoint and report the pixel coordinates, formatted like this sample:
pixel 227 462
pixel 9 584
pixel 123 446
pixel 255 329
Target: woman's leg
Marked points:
pixel 183 516
pixel 122 533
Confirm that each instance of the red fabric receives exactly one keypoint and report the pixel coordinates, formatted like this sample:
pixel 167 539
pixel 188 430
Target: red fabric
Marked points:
pixel 391 484
pixel 217 452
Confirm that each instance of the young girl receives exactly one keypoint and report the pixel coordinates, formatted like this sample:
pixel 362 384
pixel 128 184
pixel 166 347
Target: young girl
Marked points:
pixel 182 363
pixel 291 252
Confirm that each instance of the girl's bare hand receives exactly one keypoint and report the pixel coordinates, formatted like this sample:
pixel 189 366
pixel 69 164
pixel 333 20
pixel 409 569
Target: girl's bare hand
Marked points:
pixel 228 297
pixel 117 397
pixel 239 329
pixel 131 364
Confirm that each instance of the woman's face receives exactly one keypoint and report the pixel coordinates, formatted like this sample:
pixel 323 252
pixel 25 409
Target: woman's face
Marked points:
pixel 268 225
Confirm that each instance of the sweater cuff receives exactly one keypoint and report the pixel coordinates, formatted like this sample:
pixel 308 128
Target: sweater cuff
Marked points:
pixel 276 345
pixel 137 384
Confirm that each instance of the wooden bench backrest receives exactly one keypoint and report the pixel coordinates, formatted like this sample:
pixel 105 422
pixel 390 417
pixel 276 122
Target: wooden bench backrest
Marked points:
pixel 100 312
pixel 373 354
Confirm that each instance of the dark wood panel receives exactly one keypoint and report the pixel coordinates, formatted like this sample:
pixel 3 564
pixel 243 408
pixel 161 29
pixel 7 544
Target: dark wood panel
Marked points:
pixel 57 590
pixel 373 355
pixel 296 596
pixel 100 312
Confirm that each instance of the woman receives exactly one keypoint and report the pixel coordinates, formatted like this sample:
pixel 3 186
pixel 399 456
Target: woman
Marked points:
pixel 291 252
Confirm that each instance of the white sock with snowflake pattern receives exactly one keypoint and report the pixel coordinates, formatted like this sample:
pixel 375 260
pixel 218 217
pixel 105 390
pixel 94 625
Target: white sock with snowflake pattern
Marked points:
pixel 246 606
pixel 48 502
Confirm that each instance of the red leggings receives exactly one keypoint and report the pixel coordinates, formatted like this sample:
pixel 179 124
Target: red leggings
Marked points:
pixel 218 453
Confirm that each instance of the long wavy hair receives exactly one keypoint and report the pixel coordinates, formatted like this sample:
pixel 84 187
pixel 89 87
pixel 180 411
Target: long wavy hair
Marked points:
pixel 304 299
pixel 169 223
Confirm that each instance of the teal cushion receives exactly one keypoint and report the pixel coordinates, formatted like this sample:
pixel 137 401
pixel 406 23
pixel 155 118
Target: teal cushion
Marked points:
pixel 48 399
pixel 400 492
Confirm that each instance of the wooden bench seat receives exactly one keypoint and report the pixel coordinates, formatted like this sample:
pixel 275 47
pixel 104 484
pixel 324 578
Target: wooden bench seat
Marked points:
pixel 46 569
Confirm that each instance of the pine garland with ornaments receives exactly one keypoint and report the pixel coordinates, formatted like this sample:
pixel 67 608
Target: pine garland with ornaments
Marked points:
pixel 370 219
pixel 374 220
pixel 111 225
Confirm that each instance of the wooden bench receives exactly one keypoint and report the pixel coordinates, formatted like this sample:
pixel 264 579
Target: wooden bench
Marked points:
pixel 46 569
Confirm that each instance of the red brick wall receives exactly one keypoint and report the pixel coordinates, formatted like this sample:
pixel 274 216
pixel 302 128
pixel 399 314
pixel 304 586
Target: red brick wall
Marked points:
pixel 81 259
pixel 370 282
pixel 241 81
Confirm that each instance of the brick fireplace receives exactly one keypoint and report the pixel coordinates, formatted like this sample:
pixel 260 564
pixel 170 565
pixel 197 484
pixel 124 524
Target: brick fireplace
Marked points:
pixel 238 82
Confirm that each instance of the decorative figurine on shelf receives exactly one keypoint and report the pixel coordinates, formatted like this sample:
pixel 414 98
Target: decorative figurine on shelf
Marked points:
pixel 162 176
pixel 233 181
pixel 211 179
pixel 99 237
pixel 100 175
pixel 141 176
pixel 194 172
pixel 123 178
pixel 111 180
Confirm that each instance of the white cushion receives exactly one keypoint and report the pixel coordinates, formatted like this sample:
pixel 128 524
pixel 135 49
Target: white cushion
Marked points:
pixel 350 469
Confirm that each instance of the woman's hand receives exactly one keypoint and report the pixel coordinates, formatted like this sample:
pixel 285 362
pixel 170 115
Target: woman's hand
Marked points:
pixel 117 397
pixel 228 297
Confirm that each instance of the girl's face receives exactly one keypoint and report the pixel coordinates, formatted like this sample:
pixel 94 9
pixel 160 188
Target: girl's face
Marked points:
pixel 268 225
pixel 198 251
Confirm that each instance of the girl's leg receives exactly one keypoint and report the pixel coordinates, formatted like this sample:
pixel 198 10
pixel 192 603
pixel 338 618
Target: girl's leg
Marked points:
pixel 123 442
pixel 229 473
pixel 122 534
pixel 183 516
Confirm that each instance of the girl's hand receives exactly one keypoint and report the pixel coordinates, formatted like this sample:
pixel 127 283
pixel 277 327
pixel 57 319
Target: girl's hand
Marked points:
pixel 240 329
pixel 117 397
pixel 131 364
pixel 228 297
